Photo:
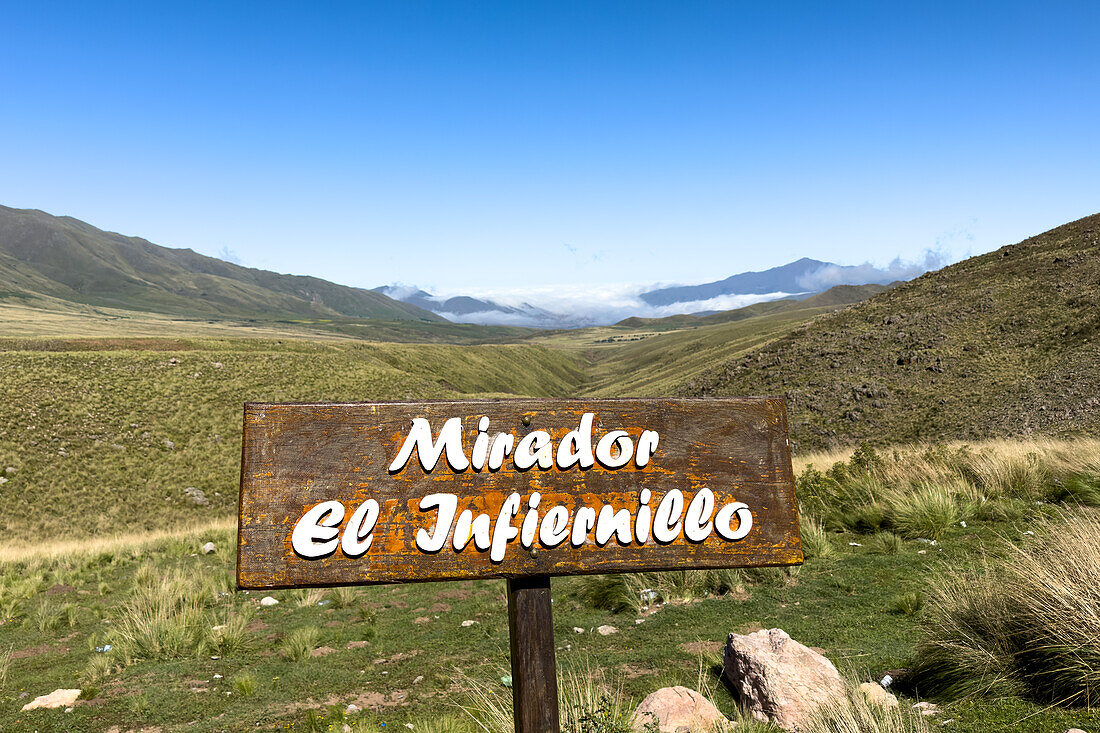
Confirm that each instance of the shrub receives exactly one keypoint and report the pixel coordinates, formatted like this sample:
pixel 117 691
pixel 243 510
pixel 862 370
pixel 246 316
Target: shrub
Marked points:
pixel 1030 626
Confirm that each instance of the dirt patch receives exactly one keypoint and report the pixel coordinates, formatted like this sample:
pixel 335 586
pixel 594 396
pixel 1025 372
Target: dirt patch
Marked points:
pixel 333 625
pixel 750 628
pixel 37 651
pixel 322 651
pixel 59 589
pixel 458 594
pixel 421 620
pixel 631 671
pixel 440 608
pixel 256 626
pixel 357 645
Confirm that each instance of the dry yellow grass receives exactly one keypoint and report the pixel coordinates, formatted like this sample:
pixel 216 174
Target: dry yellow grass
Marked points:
pixel 21 552
pixel 995 463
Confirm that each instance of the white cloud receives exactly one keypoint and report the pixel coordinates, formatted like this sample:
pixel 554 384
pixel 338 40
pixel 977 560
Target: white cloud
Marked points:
pixel 832 275
pixel 572 306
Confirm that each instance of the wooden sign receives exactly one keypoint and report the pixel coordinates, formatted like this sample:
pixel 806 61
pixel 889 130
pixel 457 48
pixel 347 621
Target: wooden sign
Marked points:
pixel 335 494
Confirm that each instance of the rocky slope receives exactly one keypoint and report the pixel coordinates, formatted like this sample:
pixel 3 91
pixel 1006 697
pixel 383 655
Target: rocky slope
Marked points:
pixel 1001 344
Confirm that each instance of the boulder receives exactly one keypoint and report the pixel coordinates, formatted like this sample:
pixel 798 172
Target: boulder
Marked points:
pixel 56 699
pixel 876 696
pixel 778 679
pixel 677 710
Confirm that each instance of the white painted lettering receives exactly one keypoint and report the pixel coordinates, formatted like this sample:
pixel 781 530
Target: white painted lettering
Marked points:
pixel 315 534
pixel 420 439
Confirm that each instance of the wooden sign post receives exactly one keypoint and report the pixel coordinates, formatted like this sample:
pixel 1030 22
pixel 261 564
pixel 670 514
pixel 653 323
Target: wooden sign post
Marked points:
pixel 352 494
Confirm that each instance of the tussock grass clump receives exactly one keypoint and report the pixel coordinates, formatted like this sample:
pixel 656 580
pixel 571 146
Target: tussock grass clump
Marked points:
pixel 231 637
pixel 927 512
pixel 1029 625
pixel 245 684
pixel 925 491
pixel 815 540
pixel 885 543
pixel 344 596
pixel 299 643
pixel 907 604
pixel 306 597
pixel 164 618
pixel 637 591
pixel 5 663
pixel 588 702
pixel 856 715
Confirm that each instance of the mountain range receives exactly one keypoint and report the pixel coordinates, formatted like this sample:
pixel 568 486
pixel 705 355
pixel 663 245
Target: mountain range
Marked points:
pixel 46 256
pixel 68 259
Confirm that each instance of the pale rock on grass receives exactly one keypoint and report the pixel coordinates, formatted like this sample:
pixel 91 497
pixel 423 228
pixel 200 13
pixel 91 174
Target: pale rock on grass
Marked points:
pixel 677 710
pixel 62 698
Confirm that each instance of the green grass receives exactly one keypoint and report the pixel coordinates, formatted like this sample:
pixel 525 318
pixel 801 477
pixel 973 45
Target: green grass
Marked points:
pixel 110 439
pixel 842 604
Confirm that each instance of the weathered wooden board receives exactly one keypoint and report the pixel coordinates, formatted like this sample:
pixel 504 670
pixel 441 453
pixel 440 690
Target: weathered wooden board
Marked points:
pixel 298 456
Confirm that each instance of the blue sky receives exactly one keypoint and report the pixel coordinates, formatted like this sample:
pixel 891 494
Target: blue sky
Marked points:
pixel 489 146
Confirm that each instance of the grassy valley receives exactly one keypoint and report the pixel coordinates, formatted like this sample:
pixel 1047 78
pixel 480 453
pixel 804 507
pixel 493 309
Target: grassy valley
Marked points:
pixel 119 459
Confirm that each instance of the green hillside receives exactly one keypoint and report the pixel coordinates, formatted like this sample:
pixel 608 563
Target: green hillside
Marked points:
pixel 835 296
pixel 62 257
pixel 108 435
pixel 651 357
pixel 1004 344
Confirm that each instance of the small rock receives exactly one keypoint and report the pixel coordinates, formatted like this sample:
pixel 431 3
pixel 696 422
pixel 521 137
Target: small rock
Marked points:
pixel 468 622
pixel 878 697
pixel 606 630
pixel 56 699
pixel 268 601
pixel 677 710
pixel 196 496
pixel 1075 730
pixel 209 548
pixel 419 679
pixel 3 480
pixel 217 676
pixel 352 709
pixel 217 365
pixel 169 445
pixel 11 470
pixel 578 629
pixel 926 708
